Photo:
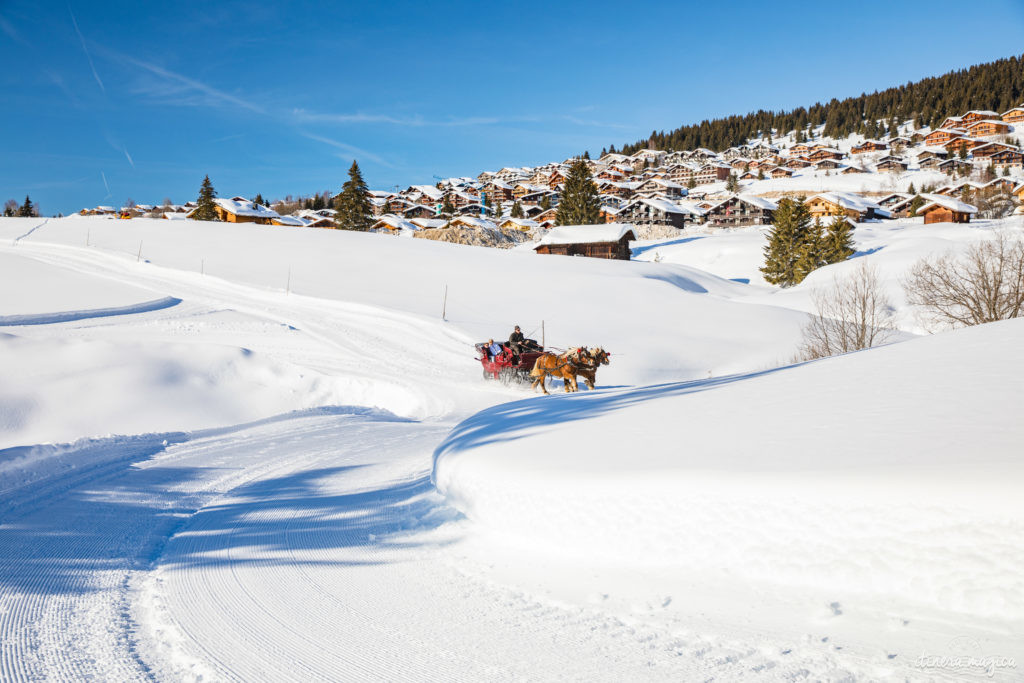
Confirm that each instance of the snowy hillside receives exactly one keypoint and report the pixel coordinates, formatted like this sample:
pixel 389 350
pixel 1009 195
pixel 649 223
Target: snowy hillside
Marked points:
pixel 217 445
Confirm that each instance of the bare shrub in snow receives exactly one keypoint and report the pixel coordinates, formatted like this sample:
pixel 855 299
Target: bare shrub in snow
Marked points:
pixel 983 285
pixel 853 314
pixel 995 204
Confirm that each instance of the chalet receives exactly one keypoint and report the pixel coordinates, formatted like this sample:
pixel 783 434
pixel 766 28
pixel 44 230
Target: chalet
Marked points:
pixel 525 189
pixel 932 152
pixel 852 169
pixel 852 206
pixel 940 209
pixel 1019 191
pixel 657 187
pixel 741 210
pixel 546 218
pixel 869 146
pixel 419 211
pixel 555 179
pixel 623 190
pixel 987 127
pixel 988 149
pixel 651 212
pixel 797 163
pixel 952 122
pixel 1008 158
pixel 893 199
pixel 801 148
pixel 392 223
pixel 498 191
pixel 475 209
pixel 521 224
pixel 423 194
pixel 898 143
pixel 999 185
pixel 289 221
pixel 608 240
pixel 891 164
pixel 429 223
pixel 976 115
pixel 782 172
pixel 748 175
pixel 473 223
pixel 610 214
pixel 957 144
pixel 740 164
pixel 241 210
pixel 612 158
pixel 711 173
pixel 930 163
pixel 825 153
pixel 317 219
pixel 828 164
pixel 959 165
pixel 99 211
pixel 940 136
pixel 1015 115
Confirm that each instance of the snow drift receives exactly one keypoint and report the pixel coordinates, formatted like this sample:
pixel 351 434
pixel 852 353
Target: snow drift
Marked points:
pixel 893 471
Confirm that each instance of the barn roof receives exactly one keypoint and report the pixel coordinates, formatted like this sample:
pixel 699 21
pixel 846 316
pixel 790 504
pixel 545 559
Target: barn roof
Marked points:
pixel 587 234
pixel 937 200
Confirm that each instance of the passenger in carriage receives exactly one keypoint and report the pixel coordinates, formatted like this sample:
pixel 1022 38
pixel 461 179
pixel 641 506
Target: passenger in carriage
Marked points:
pixel 493 348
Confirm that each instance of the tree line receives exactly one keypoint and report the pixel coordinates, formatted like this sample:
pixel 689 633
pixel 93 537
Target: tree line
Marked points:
pixel 996 86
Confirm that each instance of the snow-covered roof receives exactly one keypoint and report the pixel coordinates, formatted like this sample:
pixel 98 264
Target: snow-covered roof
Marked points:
pixel 243 207
pixel 521 222
pixel 427 223
pixel 578 234
pixel 292 220
pixel 847 200
pixel 474 222
pixel 396 222
pixel 429 190
pixel 948 203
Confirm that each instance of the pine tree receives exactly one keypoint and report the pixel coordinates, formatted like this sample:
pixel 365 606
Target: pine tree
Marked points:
pixel 206 211
pixel 732 184
pixel 258 199
pixel 784 242
pixel 498 210
pixel 545 202
pixel 447 209
pixel 916 203
pixel 517 210
pixel 10 208
pixel 318 202
pixel 911 190
pixel 28 209
pixel 586 154
pixel 838 241
pixel 760 174
pixel 812 251
pixel 353 204
pixel 580 203
pixel 691 183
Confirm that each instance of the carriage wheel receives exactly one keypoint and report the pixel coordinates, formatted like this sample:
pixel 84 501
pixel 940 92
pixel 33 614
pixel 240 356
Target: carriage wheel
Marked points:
pixel 506 376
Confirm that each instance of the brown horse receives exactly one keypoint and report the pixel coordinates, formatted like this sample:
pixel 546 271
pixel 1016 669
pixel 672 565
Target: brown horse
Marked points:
pixel 564 366
pixel 588 370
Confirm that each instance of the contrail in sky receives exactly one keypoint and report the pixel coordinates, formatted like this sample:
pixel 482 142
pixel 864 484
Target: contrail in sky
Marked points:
pixel 125 150
pixel 106 185
pixel 86 51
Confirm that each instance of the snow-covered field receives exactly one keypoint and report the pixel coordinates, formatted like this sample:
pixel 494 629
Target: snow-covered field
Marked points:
pixel 220 445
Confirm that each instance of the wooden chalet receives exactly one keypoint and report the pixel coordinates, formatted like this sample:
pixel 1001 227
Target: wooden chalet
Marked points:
pixel 1015 115
pixel 940 136
pixel 976 115
pixel 607 240
pixel 241 210
pixel 782 172
pixel 828 164
pixel 1007 158
pixel 941 209
pixel 986 127
pixel 891 165
pixel 711 173
pixel 651 211
pixel 419 211
pixel 956 144
pixel 740 210
pixel 825 153
pixel 797 163
pixel 853 206
pixel 951 122
pixel 988 149
pixel 869 146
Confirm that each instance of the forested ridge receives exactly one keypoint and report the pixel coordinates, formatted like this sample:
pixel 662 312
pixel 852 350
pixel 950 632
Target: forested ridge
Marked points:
pixel 997 86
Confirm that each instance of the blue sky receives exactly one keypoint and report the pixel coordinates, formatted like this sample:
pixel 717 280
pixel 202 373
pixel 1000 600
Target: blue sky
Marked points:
pixel 108 101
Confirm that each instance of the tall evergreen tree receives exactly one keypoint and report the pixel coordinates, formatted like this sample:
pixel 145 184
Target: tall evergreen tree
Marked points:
pixel 732 184
pixel 580 203
pixel 28 209
pixel 812 250
pixel 545 202
pixel 838 241
pixel 447 209
pixel 318 202
pixel 785 241
pixel 517 210
pixel 206 211
pixel 499 211
pixel 258 199
pixel 353 204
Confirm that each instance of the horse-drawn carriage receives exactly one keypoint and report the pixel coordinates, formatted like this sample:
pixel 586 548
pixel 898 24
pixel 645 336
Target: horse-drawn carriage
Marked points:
pixel 529 363
pixel 508 366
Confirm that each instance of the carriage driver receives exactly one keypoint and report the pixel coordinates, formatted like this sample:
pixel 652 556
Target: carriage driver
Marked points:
pixel 515 341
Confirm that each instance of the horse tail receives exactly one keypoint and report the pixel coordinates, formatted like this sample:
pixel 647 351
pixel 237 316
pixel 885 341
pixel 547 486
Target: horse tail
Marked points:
pixel 537 371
